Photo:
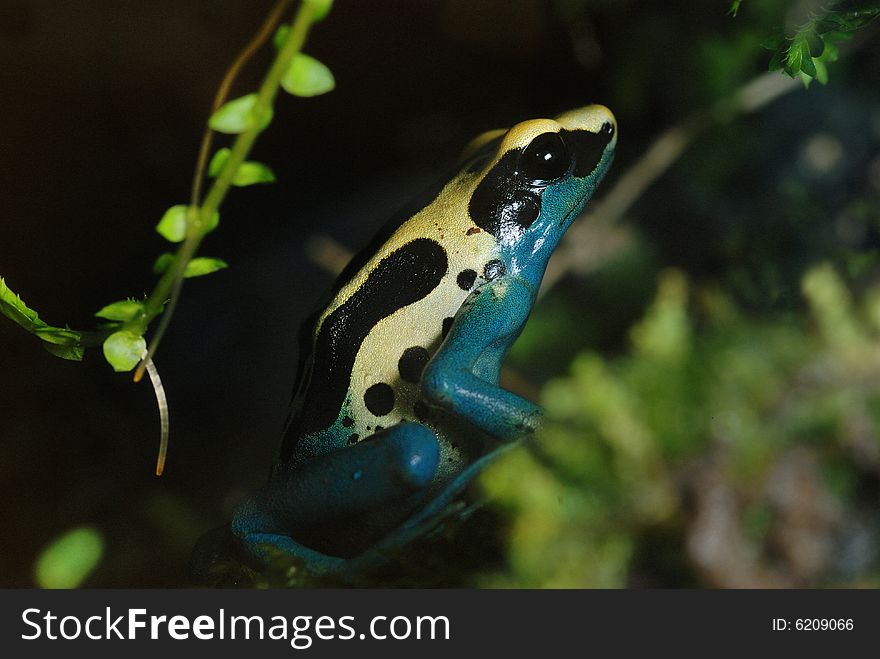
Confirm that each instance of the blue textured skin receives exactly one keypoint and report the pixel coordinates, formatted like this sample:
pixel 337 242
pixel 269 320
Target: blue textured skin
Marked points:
pixel 392 474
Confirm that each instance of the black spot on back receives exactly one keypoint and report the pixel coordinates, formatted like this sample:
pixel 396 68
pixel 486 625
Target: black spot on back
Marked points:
pixel 447 325
pixel 412 362
pixel 403 277
pixel 379 399
pixel 466 279
pixel 359 260
pixel 347 422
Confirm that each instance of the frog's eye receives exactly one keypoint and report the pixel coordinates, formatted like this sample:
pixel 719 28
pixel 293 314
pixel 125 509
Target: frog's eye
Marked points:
pixel 545 159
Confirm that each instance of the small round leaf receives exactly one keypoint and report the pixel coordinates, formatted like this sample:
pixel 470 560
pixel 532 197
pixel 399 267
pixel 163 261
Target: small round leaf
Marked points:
pixel 306 76
pixel 172 226
pixel 123 350
pixel 163 263
pixel 124 310
pixel 250 173
pixel 239 115
pixel 280 36
pixel 70 558
pixel 218 161
pixel 203 265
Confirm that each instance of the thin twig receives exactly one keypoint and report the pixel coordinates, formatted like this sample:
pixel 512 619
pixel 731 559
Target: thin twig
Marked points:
pixel 222 94
pixel 199 217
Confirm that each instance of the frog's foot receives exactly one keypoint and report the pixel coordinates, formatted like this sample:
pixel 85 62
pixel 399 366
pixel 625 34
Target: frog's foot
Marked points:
pixel 390 467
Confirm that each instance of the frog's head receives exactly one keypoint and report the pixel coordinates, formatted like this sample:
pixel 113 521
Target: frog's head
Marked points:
pixel 533 179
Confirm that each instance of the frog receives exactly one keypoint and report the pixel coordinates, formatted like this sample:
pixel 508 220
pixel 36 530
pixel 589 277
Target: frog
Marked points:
pixel 397 404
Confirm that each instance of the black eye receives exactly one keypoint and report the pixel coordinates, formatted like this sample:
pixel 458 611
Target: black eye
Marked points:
pixel 545 159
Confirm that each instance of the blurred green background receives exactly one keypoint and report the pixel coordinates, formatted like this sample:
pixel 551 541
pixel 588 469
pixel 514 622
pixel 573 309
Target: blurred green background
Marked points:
pixel 709 350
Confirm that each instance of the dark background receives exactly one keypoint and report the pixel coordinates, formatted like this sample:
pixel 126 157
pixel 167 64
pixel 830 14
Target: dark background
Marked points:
pixel 103 104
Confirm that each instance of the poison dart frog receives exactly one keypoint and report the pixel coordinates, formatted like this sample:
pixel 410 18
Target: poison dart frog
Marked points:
pixel 397 404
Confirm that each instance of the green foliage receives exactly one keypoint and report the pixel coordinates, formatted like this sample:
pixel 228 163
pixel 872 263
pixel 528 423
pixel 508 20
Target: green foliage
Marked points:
pixel 59 341
pixel 123 311
pixel 69 559
pixel 123 350
pixel 744 398
pixel 248 173
pixel 281 35
pixel 306 76
pixel 197 267
pixel 175 222
pixel 245 117
pixel 239 115
pixel 15 309
pixel 203 265
pixel 815 43
pixel 71 353
pixel 172 226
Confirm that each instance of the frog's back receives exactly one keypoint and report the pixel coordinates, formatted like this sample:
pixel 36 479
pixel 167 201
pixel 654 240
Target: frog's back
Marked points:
pixel 367 348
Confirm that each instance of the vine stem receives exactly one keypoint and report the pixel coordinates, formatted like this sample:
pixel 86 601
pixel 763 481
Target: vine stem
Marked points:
pixel 199 216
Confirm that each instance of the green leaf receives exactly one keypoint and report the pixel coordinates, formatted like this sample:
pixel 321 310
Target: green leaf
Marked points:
pixel 172 226
pixel 239 115
pixel 58 335
pixel 832 52
pixel 60 341
pixel 248 172
pixel 808 67
pixel 123 311
pixel 70 558
pixel 203 265
pixel 821 71
pixel 73 353
pixel 777 61
pixel 775 41
pixel 218 161
pixel 163 263
pixel 280 35
pixel 306 76
pixel 212 223
pixel 14 308
pixel 123 350
pixel 320 8
pixel 815 43
pixel 251 172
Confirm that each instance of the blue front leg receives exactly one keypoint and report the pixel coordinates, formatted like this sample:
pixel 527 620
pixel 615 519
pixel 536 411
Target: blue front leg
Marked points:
pixel 462 378
pixel 397 463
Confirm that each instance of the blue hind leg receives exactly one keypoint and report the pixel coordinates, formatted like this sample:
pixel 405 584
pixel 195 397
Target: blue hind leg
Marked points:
pixel 399 462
